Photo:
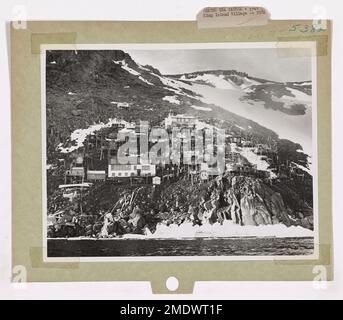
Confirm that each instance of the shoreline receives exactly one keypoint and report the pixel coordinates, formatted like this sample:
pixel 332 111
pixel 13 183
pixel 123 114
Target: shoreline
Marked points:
pixel 177 238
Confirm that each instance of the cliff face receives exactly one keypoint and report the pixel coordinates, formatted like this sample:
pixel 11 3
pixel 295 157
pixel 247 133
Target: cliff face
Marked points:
pixel 257 203
pixel 247 201
pixel 110 210
pixel 253 202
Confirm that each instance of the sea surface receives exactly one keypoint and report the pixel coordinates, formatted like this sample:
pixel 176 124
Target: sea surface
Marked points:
pixel 246 246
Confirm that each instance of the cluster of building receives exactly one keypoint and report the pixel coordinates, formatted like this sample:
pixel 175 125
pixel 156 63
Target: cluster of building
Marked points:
pixel 98 160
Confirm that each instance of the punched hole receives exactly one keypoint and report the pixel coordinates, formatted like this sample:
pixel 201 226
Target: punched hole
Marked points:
pixel 172 283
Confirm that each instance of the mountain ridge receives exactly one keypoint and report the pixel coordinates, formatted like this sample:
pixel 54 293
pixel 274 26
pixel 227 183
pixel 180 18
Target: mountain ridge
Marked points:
pixel 82 84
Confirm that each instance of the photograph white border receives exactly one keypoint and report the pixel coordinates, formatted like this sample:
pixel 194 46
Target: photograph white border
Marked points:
pixel 171 46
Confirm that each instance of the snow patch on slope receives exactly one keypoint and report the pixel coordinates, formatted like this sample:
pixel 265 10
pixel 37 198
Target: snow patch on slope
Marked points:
pixel 79 136
pixel 201 108
pixel 171 99
pixel 239 127
pixel 125 66
pixel 174 86
pixel 221 81
pixel 309 171
pixel 218 82
pixel 299 95
pixel 249 154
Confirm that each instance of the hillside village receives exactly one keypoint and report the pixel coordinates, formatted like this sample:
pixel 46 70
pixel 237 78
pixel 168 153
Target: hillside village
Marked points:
pixel 264 179
pixel 96 159
pixel 89 163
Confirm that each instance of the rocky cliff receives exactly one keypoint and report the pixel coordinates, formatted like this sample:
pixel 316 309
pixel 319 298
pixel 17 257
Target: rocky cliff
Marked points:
pixel 110 210
pixel 244 200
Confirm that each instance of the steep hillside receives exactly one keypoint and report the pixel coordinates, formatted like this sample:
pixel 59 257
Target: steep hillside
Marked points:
pixel 285 108
pixel 83 87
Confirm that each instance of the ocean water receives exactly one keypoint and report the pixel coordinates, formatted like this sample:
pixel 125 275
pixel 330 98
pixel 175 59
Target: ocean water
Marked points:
pixel 243 246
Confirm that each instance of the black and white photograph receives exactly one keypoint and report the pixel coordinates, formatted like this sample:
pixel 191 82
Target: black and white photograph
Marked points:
pixel 179 151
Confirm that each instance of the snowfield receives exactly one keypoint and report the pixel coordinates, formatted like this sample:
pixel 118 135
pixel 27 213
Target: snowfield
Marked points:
pixel 298 128
pixel 299 97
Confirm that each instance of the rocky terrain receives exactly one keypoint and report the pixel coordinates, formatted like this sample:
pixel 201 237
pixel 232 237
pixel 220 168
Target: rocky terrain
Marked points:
pixel 82 86
pixel 111 211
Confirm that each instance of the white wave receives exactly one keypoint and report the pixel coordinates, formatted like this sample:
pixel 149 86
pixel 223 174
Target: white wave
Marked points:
pixel 227 229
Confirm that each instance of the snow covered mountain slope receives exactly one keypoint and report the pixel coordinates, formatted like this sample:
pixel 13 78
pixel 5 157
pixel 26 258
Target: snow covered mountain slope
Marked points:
pixel 84 88
pixel 285 108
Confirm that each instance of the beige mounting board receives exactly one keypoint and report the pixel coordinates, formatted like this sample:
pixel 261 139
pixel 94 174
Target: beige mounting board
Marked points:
pixel 27 151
